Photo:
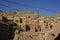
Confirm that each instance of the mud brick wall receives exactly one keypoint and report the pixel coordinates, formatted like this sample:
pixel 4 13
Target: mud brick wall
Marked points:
pixel 31 36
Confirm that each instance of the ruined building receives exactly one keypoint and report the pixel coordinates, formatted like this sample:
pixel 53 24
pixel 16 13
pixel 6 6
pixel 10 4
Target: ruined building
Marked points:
pixel 35 26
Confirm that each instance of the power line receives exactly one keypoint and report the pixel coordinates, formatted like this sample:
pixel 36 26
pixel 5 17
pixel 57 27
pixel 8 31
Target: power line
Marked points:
pixel 28 6
pixel 19 4
pixel 7 6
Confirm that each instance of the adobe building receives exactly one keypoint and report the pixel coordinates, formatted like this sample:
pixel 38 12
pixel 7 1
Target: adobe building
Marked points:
pixel 10 17
pixel 43 27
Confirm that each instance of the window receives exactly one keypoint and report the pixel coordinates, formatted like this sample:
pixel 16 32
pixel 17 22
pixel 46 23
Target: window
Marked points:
pixel 35 29
pixel 53 35
pixel 51 26
pixel 34 18
pixel 16 21
pixel 27 28
pixel 28 16
pixel 20 20
pixel 44 21
pixel 40 28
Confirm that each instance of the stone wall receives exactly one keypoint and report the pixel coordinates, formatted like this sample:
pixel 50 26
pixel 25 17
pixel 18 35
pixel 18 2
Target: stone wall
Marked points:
pixel 35 36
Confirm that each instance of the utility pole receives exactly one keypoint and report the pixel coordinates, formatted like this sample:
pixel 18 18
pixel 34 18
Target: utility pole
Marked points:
pixel 38 29
pixel 37 19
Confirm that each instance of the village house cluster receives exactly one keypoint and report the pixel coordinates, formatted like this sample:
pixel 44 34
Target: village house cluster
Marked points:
pixel 33 22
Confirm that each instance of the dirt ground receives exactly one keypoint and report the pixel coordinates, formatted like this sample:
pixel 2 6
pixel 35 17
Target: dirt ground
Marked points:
pixel 32 36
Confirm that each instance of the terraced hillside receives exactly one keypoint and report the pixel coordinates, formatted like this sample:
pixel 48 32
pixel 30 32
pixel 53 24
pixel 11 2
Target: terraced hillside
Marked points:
pixel 33 26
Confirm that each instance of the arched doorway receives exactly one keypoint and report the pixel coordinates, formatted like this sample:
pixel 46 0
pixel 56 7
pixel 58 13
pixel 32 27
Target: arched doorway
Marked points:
pixel 27 28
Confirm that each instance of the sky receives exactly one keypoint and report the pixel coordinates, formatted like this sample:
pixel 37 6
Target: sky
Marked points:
pixel 47 7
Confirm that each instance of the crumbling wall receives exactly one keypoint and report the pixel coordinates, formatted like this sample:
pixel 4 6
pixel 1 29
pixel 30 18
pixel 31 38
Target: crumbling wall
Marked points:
pixel 35 36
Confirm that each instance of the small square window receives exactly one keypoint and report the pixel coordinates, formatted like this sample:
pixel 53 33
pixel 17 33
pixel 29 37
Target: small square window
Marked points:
pixel 51 26
pixel 16 21
pixel 44 21
pixel 28 16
